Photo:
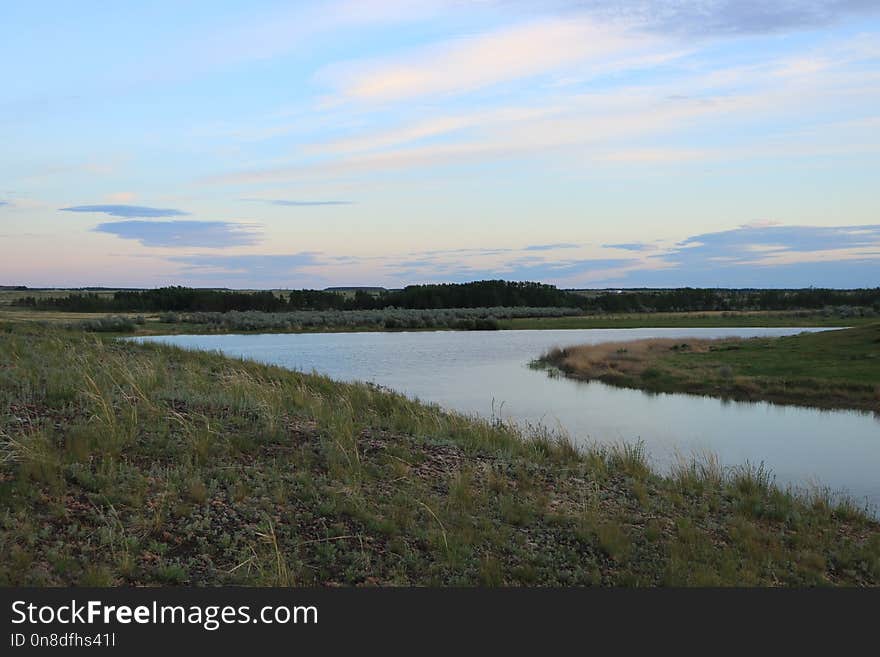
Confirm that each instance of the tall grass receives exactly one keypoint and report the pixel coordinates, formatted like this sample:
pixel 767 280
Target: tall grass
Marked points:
pixel 155 465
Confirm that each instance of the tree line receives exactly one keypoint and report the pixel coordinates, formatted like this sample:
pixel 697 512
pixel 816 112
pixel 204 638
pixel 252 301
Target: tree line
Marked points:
pixel 477 294
pixel 707 299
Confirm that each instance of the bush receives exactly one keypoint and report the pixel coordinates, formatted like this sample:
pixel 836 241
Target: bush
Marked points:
pixel 114 324
pixel 464 319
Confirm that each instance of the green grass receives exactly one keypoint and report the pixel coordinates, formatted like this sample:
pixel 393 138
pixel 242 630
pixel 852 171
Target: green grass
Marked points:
pixel 127 464
pixel 812 318
pixel 829 369
pixel 709 319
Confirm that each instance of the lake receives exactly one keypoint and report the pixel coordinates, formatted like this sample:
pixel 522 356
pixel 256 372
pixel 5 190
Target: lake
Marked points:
pixel 487 373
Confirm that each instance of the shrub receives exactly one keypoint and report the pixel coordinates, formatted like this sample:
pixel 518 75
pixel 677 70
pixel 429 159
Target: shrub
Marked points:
pixel 465 319
pixel 113 324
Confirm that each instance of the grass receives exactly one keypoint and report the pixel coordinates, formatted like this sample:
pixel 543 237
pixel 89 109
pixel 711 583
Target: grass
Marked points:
pixel 706 319
pixel 284 322
pixel 10 295
pixel 127 464
pixel 59 317
pixel 828 369
pixel 150 324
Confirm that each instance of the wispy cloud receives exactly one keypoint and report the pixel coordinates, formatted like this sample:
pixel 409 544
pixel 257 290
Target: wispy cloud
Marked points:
pixel 606 127
pixel 734 17
pixel 428 128
pixel 574 272
pixel 266 270
pixel 465 64
pixel 632 246
pixel 207 234
pixel 474 251
pixel 552 247
pixel 126 210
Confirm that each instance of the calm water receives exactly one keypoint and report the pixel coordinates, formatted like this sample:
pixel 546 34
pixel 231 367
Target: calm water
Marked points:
pixel 486 372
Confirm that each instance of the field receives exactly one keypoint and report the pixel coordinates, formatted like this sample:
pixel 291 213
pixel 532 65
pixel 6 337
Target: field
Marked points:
pixel 59 317
pixel 126 464
pixel 310 321
pixel 705 319
pixel 9 295
pixel 828 369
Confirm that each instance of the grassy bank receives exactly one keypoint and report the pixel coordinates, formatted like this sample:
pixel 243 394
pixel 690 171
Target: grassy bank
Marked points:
pixel 141 464
pixel 829 369
pixel 453 319
pixel 708 319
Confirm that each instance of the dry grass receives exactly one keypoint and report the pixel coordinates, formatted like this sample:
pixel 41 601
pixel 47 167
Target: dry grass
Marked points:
pixel 631 358
pixel 60 317
pixel 827 369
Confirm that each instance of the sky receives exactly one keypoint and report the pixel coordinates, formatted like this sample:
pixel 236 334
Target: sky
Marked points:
pixel 710 143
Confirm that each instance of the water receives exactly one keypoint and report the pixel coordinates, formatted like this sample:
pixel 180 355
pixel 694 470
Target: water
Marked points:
pixel 487 373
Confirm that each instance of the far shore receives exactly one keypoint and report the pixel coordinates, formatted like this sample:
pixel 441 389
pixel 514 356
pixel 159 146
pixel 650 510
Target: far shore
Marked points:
pixel 826 369
pixel 150 324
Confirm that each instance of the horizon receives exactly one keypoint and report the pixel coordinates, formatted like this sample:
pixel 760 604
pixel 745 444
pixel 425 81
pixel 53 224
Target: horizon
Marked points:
pixel 589 145
pixel 341 288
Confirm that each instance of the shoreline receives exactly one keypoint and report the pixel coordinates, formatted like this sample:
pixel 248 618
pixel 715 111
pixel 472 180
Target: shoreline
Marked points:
pixel 706 319
pixel 822 371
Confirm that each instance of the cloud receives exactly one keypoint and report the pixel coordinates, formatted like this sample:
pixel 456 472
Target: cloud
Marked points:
pixel 512 264
pixel 597 127
pixel 472 251
pixel 818 274
pixel 577 32
pixel 505 54
pixel 433 127
pixel 690 108
pixel 516 270
pixel 761 223
pixel 127 210
pixel 798 239
pixel 208 234
pixel 767 256
pixel 757 255
pixel 551 247
pixel 299 204
pixel 632 246
pixel 2 203
pixel 731 17
pixel 572 131
pixel 264 270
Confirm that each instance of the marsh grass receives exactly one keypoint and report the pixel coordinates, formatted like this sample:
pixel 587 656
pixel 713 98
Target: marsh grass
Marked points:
pixel 693 319
pixel 828 369
pixel 155 465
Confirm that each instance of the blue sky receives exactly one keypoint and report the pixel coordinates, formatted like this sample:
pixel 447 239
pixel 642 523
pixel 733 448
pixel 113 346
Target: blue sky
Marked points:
pixel 383 142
